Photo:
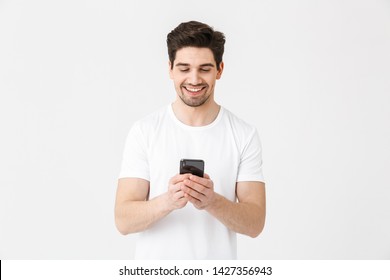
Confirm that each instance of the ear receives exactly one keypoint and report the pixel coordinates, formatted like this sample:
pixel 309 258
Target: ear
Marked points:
pixel 170 70
pixel 219 73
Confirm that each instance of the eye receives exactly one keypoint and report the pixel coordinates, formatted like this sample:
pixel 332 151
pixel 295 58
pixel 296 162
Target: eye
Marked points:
pixel 205 69
pixel 184 70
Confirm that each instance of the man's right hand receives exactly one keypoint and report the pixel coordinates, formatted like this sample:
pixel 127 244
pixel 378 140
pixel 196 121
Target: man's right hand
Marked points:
pixel 175 196
pixel 135 213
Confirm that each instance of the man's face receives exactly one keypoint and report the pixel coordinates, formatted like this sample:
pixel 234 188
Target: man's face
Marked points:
pixel 194 74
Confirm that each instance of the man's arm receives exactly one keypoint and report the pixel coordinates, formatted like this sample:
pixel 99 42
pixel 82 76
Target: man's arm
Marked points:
pixel 134 213
pixel 247 216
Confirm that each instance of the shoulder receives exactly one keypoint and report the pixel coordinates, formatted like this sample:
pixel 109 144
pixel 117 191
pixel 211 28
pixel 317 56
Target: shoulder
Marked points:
pixel 151 121
pixel 238 125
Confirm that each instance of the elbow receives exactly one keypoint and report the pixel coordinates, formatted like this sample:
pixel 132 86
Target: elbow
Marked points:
pixel 255 233
pixel 258 227
pixel 124 227
pixel 121 224
pixel 121 228
pixel 123 232
pixel 256 230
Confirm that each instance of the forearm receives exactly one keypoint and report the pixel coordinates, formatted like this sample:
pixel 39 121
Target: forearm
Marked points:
pixel 241 217
pixel 136 216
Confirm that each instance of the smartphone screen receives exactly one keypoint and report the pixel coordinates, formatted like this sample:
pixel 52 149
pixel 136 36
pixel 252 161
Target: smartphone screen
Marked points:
pixel 193 166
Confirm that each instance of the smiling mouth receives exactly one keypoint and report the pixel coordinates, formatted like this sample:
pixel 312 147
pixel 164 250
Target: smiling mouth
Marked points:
pixel 194 90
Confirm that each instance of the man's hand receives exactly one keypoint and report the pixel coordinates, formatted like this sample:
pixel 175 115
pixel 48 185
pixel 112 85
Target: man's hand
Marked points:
pixel 199 191
pixel 175 196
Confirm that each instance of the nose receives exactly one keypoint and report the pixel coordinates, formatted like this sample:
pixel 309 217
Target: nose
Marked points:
pixel 194 78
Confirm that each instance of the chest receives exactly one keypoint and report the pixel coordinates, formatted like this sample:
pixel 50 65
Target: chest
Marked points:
pixel 217 148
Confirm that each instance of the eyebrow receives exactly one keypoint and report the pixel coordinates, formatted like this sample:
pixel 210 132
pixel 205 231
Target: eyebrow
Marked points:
pixel 187 65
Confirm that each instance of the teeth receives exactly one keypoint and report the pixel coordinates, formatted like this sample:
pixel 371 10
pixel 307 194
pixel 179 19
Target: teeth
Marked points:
pixel 193 89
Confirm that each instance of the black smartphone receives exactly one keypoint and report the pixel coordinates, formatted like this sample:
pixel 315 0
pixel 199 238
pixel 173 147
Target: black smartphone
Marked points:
pixel 193 166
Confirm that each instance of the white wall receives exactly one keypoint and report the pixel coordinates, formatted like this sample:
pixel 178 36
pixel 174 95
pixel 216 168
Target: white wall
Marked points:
pixel 313 76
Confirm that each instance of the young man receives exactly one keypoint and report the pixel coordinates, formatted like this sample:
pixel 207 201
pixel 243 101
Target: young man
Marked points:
pixel 186 216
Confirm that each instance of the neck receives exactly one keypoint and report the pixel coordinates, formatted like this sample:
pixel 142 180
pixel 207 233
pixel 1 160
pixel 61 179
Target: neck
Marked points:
pixel 196 116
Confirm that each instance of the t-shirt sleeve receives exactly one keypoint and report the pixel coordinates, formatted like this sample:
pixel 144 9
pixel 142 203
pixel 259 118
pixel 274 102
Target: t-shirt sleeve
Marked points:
pixel 135 160
pixel 250 168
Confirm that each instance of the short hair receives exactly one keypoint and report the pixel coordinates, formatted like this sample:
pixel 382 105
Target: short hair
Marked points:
pixel 195 34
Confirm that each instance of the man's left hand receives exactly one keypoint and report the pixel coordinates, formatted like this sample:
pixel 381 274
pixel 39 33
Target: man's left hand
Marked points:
pixel 199 191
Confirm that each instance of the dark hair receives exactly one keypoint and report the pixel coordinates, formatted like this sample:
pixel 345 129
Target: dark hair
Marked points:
pixel 195 34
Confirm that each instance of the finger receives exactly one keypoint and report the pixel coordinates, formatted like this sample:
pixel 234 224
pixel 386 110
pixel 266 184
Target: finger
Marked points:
pixel 194 193
pixel 174 188
pixel 177 187
pixel 178 195
pixel 201 181
pixel 206 176
pixel 179 178
pixel 198 187
pixel 192 199
pixel 195 186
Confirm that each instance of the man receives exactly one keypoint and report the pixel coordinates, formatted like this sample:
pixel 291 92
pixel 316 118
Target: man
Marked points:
pixel 186 216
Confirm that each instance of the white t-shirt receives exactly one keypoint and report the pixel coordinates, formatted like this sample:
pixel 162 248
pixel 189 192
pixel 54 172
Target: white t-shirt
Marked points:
pixel 231 151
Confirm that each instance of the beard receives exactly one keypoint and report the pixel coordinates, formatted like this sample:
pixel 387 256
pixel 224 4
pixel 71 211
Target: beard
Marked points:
pixel 194 101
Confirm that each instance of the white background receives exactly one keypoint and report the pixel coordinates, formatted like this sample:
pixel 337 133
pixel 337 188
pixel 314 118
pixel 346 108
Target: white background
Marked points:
pixel 312 76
